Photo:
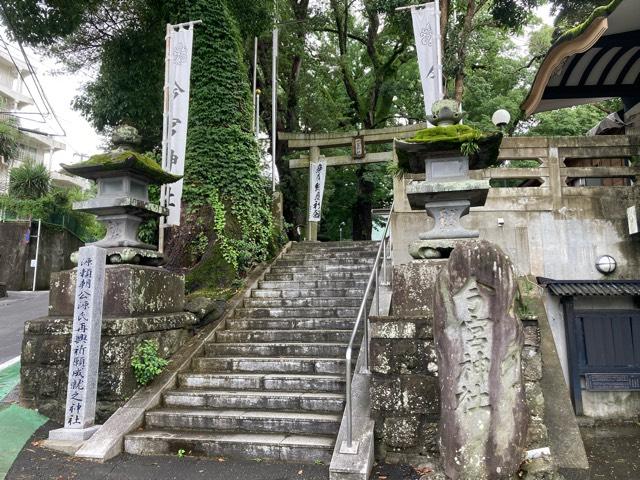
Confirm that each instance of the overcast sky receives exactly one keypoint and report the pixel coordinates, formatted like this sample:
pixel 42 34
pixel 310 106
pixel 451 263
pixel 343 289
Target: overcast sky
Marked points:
pixel 61 88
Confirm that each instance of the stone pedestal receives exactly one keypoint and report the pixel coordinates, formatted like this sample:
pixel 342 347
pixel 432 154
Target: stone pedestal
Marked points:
pixel 405 402
pixel 140 303
pixel 484 416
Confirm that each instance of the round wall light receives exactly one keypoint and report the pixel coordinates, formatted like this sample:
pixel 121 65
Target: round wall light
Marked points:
pixel 606 264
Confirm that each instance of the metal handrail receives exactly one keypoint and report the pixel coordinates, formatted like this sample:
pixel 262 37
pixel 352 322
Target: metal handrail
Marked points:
pixel 348 445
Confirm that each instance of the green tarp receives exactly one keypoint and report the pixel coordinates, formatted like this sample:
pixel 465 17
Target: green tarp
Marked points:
pixel 9 378
pixel 17 424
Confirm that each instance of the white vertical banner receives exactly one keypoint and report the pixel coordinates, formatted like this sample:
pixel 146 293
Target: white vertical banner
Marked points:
pixel 176 115
pixel 426 30
pixel 318 173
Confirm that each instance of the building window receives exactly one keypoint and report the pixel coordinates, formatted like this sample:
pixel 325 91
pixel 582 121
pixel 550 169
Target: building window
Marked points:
pixel 27 153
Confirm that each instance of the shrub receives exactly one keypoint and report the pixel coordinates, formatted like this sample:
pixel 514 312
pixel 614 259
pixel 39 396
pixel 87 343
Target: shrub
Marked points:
pixel 8 140
pixel 29 181
pixel 146 362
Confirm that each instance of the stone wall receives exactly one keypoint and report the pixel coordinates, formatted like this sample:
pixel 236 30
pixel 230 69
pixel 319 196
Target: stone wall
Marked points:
pixel 141 303
pixel 404 386
pixel 56 247
pixel 405 402
pixel 554 230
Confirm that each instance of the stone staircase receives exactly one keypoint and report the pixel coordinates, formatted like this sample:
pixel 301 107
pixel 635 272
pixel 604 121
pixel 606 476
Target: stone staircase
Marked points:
pixel 271 386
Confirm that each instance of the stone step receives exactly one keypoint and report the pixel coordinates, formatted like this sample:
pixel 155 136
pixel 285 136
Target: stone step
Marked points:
pixel 246 446
pixel 269 336
pixel 358 245
pixel 327 259
pixel 306 277
pixel 293 401
pixel 277 349
pixel 302 302
pixel 299 312
pixel 290 323
pixel 321 269
pixel 311 284
pixel 308 365
pixel 262 382
pixel 309 292
pixel 244 421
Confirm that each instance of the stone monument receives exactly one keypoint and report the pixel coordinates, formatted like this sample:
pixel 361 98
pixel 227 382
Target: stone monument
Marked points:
pixel 80 412
pixel 479 342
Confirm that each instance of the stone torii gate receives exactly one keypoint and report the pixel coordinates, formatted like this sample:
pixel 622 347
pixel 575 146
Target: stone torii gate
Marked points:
pixel 357 140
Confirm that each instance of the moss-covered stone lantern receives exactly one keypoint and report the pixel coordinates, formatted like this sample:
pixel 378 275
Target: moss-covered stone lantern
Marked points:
pixel 123 177
pixel 445 154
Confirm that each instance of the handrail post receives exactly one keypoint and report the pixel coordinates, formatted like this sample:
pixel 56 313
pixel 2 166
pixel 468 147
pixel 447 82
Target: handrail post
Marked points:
pixel 349 412
pixel 384 260
pixel 377 289
pixel 349 446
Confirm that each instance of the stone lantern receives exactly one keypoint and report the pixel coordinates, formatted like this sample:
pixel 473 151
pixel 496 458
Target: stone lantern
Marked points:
pixel 123 177
pixel 446 154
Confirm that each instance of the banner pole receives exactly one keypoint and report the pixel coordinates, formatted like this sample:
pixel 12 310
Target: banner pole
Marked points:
pixel 165 130
pixel 255 74
pixel 274 108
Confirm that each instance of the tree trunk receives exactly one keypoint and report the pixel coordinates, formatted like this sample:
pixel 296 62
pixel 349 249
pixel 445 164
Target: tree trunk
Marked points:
pixel 361 215
pixel 467 28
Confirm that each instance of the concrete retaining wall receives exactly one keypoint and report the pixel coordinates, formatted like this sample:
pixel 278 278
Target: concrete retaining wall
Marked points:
pixel 56 247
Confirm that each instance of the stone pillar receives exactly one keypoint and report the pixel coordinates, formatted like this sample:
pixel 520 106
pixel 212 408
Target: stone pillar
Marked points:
pixel 483 418
pixel 80 412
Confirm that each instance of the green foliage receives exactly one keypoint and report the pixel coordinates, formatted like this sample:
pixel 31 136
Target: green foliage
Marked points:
pixel 181 453
pixel 55 208
pixel 470 147
pixel 573 121
pixel 223 169
pixel 146 362
pixel 9 136
pixel 29 181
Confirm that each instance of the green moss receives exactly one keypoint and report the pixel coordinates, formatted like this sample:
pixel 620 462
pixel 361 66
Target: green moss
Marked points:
pixel 127 160
pixel 451 134
pixel 578 30
pixel 215 293
pixel 213 272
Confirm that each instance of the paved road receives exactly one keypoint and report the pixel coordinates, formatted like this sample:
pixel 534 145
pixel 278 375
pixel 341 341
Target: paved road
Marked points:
pixel 38 463
pixel 15 310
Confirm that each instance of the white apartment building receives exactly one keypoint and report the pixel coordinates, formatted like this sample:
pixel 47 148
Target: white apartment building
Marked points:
pixel 15 97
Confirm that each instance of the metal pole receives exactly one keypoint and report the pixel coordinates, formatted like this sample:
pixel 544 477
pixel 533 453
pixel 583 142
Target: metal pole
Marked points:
pixel 274 108
pixel 348 407
pixel 439 52
pixel 366 343
pixel 384 260
pixel 257 126
pixel 255 73
pixel 35 270
pixel 165 130
pixel 377 289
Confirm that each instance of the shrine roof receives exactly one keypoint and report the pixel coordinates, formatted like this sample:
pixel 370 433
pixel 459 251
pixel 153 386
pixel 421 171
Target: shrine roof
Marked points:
pixel 595 61
pixel 591 288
